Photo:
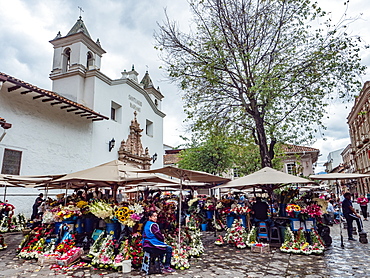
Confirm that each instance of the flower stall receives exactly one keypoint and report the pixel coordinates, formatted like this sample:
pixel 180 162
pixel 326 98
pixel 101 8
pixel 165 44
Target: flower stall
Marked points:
pixel 115 239
pixel 10 222
pixel 299 244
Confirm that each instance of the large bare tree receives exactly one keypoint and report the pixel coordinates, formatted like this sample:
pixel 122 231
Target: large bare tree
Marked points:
pixel 263 67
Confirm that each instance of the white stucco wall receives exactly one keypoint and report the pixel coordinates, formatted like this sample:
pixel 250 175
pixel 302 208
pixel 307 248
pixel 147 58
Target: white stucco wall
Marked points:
pixel 119 130
pixel 52 141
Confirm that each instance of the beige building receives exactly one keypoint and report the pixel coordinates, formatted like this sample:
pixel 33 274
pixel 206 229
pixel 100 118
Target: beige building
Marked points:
pixel 359 131
pixel 348 159
pixel 298 160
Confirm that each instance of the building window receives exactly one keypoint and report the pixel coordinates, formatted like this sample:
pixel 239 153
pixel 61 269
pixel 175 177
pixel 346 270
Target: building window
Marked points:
pixel 149 128
pixel 236 172
pixel 11 162
pixel 290 168
pixel 115 112
pixel 90 61
pixel 66 59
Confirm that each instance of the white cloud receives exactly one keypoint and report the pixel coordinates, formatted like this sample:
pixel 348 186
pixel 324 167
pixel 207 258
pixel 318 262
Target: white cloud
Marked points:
pixel 125 29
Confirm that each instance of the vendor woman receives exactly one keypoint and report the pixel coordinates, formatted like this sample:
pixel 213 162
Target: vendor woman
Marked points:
pixel 153 241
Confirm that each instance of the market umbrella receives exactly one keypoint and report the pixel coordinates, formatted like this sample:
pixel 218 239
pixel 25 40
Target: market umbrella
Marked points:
pixel 112 174
pixel 24 181
pixel 186 175
pixel 266 178
pixel 153 188
pixel 337 177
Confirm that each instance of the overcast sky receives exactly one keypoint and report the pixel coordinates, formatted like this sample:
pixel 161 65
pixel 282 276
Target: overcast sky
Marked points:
pixel 125 29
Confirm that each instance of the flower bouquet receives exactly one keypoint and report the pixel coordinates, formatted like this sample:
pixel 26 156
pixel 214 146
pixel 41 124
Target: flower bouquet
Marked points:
pixel 252 237
pixel 219 241
pixel 83 206
pixel 313 211
pixel 103 210
pixel 180 259
pixel 236 234
pixel 137 251
pixel 287 246
pixel 240 210
pixel 34 243
pixel 104 257
pixel 97 245
pixel 4 224
pixel 318 246
pixel 130 215
pixel 209 205
pixel 69 212
pixel 2 243
pixel 195 243
pixel 293 210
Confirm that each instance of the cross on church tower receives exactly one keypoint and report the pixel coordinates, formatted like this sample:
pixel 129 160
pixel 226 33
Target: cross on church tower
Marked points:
pixel 81 10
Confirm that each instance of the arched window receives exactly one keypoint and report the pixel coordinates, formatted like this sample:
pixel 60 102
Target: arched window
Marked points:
pixel 90 60
pixel 66 59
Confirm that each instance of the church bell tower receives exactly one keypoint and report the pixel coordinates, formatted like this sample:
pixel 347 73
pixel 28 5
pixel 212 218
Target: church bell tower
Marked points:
pixel 76 59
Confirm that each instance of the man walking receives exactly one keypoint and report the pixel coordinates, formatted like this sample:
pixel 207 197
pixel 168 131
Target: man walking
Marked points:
pixel 350 215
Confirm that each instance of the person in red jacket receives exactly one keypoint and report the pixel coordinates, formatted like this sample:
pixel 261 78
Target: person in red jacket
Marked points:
pixel 362 201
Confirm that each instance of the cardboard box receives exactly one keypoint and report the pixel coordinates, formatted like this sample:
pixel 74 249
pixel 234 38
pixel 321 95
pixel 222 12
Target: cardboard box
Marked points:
pixel 65 261
pixel 47 259
pixel 260 249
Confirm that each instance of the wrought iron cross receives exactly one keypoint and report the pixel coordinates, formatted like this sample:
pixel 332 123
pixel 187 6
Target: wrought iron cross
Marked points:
pixel 81 10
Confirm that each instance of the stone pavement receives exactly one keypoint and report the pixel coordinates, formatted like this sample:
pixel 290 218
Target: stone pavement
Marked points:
pixel 351 261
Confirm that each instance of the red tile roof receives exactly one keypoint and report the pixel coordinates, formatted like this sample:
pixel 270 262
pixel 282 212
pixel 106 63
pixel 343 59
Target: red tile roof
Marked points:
pixel 298 149
pixel 4 124
pixel 53 98
pixel 170 159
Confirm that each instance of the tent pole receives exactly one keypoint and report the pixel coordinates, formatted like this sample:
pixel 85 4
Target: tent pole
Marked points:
pixel 46 190
pixel 214 212
pixel 65 197
pixel 114 193
pixel 180 208
pixel 340 218
pixel 5 192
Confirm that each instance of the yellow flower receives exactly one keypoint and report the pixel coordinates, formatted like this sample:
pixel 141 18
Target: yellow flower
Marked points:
pixel 82 204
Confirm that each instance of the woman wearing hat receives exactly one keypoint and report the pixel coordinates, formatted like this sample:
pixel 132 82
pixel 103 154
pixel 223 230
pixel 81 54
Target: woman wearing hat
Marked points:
pixel 35 207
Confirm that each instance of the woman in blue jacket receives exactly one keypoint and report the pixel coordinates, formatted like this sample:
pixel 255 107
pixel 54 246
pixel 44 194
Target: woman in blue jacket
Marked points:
pixel 153 240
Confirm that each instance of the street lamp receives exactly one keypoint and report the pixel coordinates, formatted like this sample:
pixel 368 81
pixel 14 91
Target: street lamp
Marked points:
pixel 154 157
pixel 111 144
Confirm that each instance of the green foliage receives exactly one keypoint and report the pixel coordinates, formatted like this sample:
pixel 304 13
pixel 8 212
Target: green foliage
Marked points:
pixel 211 156
pixel 215 152
pixel 261 69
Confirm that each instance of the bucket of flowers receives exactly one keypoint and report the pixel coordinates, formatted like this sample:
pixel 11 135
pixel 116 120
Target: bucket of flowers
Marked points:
pixel 293 210
pixel 129 215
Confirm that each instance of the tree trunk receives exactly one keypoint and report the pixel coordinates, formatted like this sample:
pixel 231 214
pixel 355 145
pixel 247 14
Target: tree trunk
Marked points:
pixel 266 159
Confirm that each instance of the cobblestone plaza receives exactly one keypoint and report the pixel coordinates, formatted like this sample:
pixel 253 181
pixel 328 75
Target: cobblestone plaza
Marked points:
pixel 226 261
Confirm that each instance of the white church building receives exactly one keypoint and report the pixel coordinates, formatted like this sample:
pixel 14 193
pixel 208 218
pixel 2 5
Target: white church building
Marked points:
pixel 85 120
